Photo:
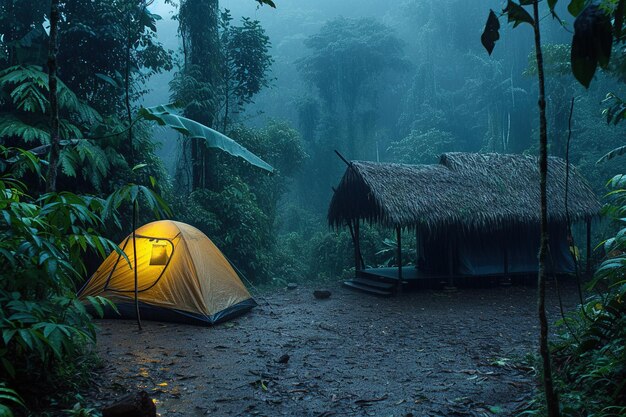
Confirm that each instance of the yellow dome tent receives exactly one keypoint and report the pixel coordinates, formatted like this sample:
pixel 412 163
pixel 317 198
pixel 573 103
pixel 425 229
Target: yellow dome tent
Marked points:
pixel 181 276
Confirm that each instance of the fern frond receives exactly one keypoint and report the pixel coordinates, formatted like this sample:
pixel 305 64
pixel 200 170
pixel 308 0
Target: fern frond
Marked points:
pixel 68 162
pixel 28 97
pixel 69 130
pixel 116 160
pixel 11 127
pixel 19 74
pixel 94 156
pixel 68 101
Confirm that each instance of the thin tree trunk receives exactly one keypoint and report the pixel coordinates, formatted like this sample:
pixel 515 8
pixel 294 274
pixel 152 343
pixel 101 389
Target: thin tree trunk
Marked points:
pixel 55 135
pixel 135 264
pixel 552 401
pixel 127 90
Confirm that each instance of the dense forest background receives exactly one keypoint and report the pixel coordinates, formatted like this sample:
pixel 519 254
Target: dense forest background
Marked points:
pixel 397 83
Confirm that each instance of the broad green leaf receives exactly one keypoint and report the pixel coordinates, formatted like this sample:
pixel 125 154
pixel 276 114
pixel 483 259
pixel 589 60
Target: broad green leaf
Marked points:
pixel 95 303
pixel 575 7
pixel 517 14
pixel 268 2
pixel 8 367
pixel 166 116
pixel 5 411
pixel 491 33
pixel 592 43
pixel 612 154
pixel 108 80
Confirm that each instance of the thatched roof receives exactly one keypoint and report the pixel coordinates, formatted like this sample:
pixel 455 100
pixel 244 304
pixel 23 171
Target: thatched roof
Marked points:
pixel 466 190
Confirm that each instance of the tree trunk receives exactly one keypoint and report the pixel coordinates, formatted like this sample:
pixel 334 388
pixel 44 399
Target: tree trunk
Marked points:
pixel 552 401
pixel 55 135
pixel 199 21
pixel 127 87
pixel 135 264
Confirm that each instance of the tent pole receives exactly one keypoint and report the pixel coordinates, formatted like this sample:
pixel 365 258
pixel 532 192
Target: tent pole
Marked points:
pixel 135 264
pixel 588 266
pixel 399 257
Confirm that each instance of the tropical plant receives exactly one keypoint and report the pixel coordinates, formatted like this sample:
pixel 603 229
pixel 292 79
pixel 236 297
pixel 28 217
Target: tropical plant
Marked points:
pixel 591 354
pixel 43 241
pixel 8 398
pixel 244 65
pixel 166 115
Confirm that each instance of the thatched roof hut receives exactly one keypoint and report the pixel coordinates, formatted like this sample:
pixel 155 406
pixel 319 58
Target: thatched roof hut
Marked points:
pixel 465 191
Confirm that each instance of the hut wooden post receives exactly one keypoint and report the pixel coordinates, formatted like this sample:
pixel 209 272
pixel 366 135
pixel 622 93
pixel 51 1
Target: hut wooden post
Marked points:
pixel 506 259
pixel 588 266
pixel 417 249
pixel 358 260
pixel 399 257
pixel 451 250
pixel 357 246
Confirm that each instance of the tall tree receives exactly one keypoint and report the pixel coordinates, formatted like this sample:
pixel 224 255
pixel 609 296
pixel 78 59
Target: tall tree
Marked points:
pixel 517 15
pixel 224 67
pixel 348 58
pixel 199 22
pixel 55 136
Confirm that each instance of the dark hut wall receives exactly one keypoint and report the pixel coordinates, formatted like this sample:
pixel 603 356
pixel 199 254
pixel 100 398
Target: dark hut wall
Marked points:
pixel 495 252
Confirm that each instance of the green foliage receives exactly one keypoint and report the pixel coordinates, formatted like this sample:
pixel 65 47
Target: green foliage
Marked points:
pixel 8 398
pixel 24 118
pixel 491 33
pixel 422 147
pixel 591 355
pixel 244 64
pixel 235 223
pixel 592 42
pixel 25 88
pixel 43 240
pixel 79 411
pixel 241 215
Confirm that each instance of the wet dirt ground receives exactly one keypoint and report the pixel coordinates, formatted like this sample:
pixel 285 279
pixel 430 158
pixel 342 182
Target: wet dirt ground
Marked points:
pixel 422 353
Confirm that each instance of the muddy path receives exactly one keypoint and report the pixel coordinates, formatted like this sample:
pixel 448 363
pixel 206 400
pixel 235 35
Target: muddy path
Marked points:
pixel 425 353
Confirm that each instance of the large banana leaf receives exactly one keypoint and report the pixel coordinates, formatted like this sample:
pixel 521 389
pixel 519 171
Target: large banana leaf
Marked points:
pixel 614 153
pixel 166 116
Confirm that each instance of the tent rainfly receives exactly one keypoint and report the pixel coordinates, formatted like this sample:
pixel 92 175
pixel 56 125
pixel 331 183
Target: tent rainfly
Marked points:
pixel 182 277
pixel 468 208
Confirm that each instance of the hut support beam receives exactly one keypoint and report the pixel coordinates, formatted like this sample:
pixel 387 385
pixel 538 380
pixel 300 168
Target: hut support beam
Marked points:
pixel 357 245
pixel 451 254
pixel 506 259
pixel 417 249
pixel 588 266
pixel 399 257
pixel 358 258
